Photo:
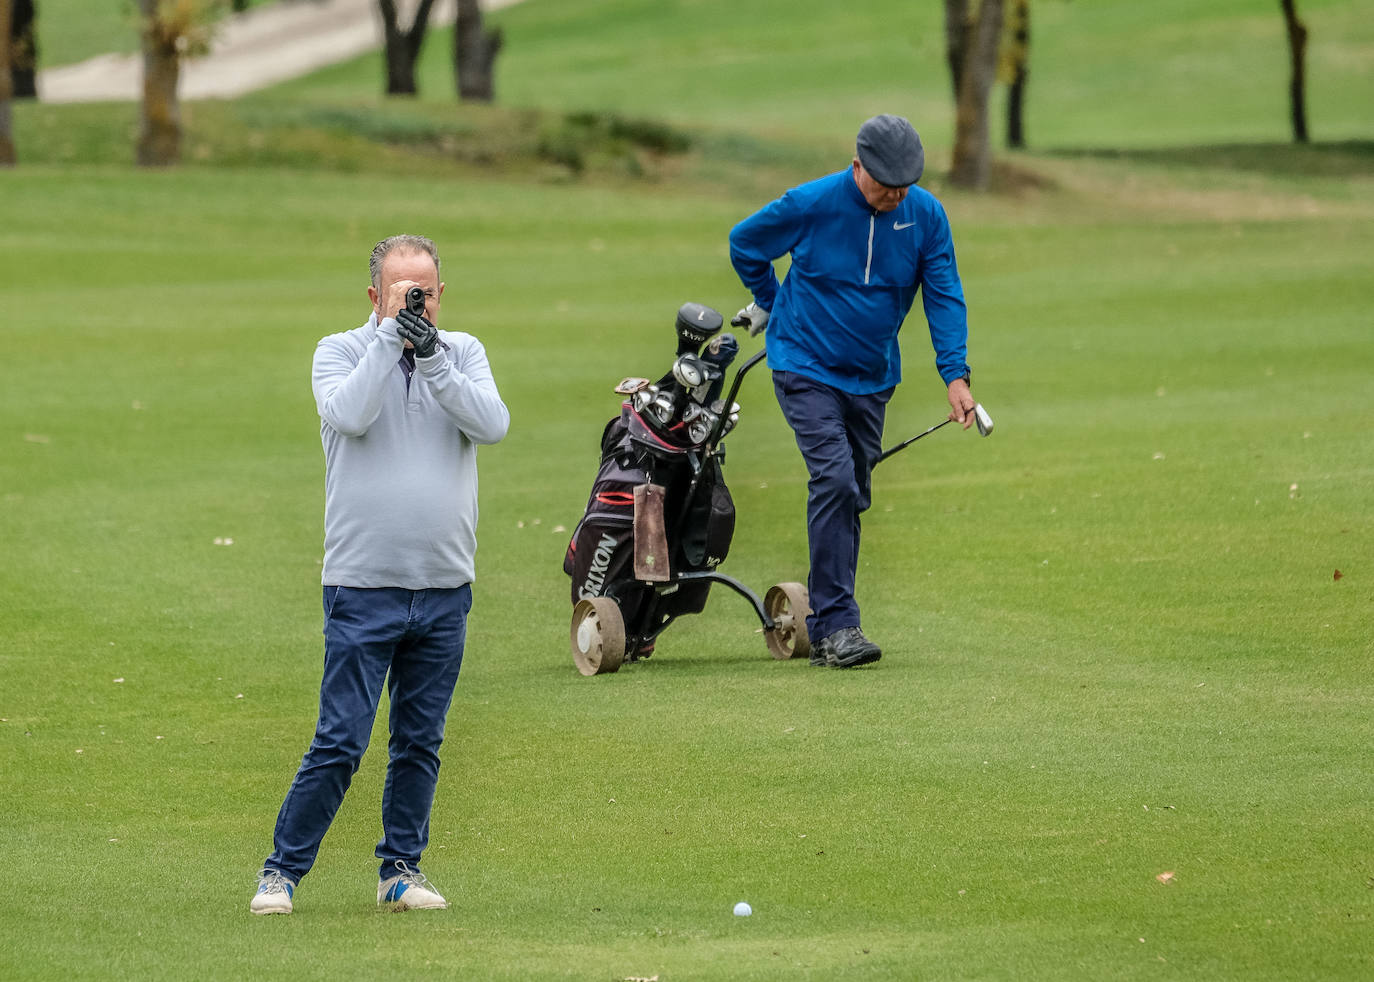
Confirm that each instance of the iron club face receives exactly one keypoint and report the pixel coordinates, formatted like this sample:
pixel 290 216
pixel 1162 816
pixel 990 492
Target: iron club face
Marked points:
pixel 981 417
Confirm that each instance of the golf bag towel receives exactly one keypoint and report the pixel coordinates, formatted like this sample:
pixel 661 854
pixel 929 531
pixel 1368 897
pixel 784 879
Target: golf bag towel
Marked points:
pixel 651 539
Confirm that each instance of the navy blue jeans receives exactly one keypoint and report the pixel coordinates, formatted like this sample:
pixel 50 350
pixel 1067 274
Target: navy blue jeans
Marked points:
pixel 840 436
pixel 415 636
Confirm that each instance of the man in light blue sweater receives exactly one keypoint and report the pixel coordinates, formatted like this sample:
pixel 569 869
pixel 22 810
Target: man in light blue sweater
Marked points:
pixel 402 409
pixel 863 241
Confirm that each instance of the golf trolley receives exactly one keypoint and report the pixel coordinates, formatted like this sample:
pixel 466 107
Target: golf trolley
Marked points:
pixel 660 517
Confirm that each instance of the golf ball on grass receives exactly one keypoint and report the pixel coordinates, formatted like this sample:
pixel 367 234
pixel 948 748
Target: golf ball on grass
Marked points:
pixel 742 909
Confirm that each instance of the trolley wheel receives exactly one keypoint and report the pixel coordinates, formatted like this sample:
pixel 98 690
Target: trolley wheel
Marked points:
pixel 788 605
pixel 598 636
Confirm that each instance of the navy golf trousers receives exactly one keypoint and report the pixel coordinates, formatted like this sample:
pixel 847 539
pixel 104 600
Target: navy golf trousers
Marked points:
pixel 840 436
pixel 417 637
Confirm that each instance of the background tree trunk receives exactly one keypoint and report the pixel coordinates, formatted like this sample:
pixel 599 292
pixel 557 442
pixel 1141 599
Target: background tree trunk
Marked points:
pixel 1016 61
pixel 403 46
pixel 972 155
pixel 956 40
pixel 23 49
pixel 1297 85
pixel 474 54
pixel 6 83
pixel 159 130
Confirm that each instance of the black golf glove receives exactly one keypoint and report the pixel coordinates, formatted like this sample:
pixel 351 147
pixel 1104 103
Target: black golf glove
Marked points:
pixel 421 334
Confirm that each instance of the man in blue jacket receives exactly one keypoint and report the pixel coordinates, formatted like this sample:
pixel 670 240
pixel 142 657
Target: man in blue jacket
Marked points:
pixel 862 241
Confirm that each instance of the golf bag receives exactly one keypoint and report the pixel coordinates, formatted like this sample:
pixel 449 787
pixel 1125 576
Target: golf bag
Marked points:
pixel 660 518
pixel 694 521
pixel 659 506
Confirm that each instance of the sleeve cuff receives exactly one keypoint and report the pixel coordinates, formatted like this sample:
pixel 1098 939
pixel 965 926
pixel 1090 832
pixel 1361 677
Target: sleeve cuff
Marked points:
pixel 388 330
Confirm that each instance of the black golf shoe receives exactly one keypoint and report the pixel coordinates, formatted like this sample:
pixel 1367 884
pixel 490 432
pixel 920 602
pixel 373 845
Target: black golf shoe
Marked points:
pixel 819 657
pixel 848 648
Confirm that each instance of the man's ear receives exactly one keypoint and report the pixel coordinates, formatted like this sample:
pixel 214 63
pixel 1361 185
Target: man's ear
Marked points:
pixel 373 295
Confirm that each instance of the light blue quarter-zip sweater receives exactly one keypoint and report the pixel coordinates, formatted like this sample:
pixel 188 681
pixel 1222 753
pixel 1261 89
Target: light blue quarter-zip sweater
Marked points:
pixel 852 281
pixel 400 456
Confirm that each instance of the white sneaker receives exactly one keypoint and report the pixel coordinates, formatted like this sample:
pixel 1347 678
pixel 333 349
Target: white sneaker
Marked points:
pixel 409 890
pixel 274 893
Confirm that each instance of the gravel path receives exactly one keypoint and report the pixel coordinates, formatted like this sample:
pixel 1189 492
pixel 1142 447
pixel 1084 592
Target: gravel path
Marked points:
pixel 252 50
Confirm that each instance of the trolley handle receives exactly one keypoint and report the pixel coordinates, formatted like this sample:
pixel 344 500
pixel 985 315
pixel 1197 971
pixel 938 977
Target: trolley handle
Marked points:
pixel 715 435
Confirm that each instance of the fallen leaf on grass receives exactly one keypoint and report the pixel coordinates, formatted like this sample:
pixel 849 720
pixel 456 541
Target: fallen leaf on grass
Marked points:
pixel 1338 575
pixel 1165 877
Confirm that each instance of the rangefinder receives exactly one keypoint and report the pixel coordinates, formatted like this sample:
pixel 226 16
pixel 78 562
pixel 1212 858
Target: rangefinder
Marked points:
pixel 415 301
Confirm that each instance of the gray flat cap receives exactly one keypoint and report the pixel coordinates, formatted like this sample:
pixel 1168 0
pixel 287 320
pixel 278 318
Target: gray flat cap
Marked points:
pixel 890 150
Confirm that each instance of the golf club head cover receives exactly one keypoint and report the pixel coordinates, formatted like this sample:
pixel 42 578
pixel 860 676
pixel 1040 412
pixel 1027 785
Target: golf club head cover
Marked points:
pixel 695 323
pixel 721 351
pixel 718 354
pixel 418 331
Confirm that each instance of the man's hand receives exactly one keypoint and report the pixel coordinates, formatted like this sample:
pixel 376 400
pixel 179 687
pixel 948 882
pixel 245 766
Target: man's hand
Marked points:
pixel 754 317
pixel 421 334
pixel 961 403
pixel 395 299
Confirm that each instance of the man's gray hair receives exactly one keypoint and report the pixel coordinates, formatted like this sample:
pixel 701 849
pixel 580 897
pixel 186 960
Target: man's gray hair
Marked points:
pixel 406 243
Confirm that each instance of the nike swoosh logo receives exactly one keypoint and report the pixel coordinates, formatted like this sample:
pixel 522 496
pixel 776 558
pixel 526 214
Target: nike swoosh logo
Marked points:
pixel 898 226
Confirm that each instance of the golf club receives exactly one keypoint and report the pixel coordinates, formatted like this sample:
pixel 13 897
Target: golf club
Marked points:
pixel 980 417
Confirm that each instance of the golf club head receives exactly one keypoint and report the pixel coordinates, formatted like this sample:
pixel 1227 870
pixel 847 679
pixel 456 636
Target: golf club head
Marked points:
pixel 630 385
pixel 981 417
pixel 695 323
pixel 689 370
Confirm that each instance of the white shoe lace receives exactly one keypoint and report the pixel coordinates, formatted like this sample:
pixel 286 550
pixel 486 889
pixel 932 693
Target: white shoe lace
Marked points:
pixel 272 881
pixel 413 877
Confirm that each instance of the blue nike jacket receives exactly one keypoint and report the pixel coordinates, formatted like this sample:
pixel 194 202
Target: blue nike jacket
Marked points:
pixel 854 275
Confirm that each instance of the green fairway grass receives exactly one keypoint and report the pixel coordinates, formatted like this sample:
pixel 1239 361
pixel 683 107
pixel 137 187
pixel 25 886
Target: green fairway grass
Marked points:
pixel 1127 635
